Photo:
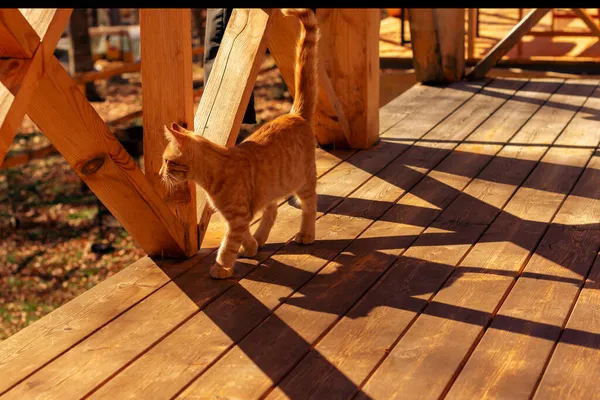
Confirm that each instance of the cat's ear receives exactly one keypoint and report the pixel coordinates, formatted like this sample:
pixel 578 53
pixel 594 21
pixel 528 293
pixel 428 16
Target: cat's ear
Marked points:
pixel 175 136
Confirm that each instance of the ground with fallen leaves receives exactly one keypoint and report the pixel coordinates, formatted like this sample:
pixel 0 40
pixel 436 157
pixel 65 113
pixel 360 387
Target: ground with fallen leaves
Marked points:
pixel 48 218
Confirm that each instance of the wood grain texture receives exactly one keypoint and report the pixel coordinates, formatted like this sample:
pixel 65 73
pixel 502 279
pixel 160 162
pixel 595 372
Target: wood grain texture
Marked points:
pixel 18 79
pixel 465 304
pixel 437 37
pixel 64 115
pixel 49 24
pixel 29 349
pixel 17 38
pixel 167 96
pixel 282 46
pixel 575 363
pixel 227 92
pixel 507 43
pixel 349 51
pixel 354 346
pixel 530 319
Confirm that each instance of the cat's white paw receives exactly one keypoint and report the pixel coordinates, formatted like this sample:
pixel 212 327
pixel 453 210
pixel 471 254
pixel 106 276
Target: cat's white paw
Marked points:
pixel 218 271
pixel 304 237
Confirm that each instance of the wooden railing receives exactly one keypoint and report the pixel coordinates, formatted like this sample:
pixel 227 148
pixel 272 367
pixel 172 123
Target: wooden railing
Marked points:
pixel 172 225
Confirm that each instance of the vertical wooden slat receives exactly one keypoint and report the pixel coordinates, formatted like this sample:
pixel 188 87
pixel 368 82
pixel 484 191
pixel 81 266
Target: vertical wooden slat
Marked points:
pixel 167 96
pixel 227 91
pixel 472 32
pixel 349 48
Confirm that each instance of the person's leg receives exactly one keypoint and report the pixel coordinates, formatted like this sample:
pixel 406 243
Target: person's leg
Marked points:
pixel 216 22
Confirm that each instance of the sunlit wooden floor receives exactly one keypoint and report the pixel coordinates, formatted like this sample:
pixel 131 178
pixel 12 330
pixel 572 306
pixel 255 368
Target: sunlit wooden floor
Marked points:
pixel 455 259
pixel 495 23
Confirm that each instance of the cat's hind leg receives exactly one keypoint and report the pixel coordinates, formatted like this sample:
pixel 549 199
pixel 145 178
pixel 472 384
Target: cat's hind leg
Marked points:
pixel 249 245
pixel 308 201
pixel 266 223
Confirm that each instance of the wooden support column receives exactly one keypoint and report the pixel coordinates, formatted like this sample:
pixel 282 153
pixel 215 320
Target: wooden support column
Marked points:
pixel 438 43
pixel 332 125
pixel 167 96
pixel 349 49
pixel 227 91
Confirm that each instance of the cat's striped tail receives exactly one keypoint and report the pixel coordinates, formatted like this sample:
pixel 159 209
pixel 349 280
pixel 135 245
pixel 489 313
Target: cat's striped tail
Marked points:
pixel 306 73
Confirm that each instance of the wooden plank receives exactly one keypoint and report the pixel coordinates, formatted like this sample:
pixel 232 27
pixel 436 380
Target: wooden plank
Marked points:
pixel 575 363
pixel 530 319
pixel 349 50
pixel 457 315
pixel 581 13
pixel 338 229
pixel 507 43
pixel 227 92
pixel 49 24
pixel 291 330
pixel 75 129
pixel 166 48
pixel 355 345
pixel 282 47
pixel 17 37
pixel 29 349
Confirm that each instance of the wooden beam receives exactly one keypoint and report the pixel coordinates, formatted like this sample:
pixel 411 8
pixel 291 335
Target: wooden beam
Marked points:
pixel 18 79
pixel 166 48
pixel 17 38
pixel 65 116
pixel 49 24
pixel 507 43
pixel 332 127
pixel 349 48
pixel 581 13
pixel 227 91
pixel 472 32
pixel 437 37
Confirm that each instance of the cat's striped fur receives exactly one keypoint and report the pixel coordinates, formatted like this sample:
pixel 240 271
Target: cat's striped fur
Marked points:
pixel 274 162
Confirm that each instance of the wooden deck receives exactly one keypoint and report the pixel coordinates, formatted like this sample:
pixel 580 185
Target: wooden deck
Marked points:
pixel 455 259
pixel 495 23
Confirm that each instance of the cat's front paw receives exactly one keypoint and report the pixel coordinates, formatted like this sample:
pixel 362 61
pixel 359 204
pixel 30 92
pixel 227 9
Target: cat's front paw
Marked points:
pixel 218 271
pixel 304 237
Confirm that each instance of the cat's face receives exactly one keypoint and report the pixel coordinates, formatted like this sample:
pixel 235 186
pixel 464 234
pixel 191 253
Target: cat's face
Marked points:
pixel 175 161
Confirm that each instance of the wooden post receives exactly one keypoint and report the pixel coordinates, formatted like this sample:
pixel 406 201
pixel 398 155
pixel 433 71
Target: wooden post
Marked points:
pixel 167 96
pixel 349 48
pixel 438 41
pixel 227 91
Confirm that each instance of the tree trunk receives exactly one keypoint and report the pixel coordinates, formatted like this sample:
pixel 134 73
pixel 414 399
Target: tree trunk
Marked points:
pixel 81 52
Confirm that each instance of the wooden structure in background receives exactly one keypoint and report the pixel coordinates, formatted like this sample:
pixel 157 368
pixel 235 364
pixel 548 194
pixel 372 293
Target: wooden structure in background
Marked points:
pixel 437 37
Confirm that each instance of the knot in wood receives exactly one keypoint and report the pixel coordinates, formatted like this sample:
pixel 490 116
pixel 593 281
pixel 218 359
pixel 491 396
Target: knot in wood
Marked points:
pixel 93 165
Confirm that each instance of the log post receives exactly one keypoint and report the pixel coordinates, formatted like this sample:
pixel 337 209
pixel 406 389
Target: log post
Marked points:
pixel 167 96
pixel 349 50
pixel 438 42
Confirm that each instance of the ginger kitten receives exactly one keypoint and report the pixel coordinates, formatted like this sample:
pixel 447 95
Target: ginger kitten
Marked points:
pixel 276 161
